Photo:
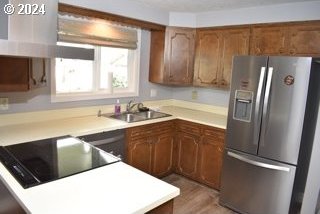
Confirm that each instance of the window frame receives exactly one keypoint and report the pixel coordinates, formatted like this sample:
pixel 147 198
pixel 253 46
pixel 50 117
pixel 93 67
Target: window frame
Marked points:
pixel 96 93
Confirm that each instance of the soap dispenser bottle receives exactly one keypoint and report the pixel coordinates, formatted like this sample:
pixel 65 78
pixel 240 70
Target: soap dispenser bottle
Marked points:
pixel 117 108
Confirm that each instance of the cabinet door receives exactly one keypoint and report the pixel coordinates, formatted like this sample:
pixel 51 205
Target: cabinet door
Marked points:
pixel 156 66
pixel 211 153
pixel 269 40
pixel 162 155
pixel 305 39
pixel 234 42
pixel 188 152
pixel 207 58
pixel 140 154
pixel 179 54
pixel 14 75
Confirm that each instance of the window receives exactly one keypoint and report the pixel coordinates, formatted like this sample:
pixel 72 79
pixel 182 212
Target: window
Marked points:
pixel 114 72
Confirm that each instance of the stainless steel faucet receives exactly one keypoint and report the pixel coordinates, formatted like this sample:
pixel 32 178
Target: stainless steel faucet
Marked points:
pixel 130 106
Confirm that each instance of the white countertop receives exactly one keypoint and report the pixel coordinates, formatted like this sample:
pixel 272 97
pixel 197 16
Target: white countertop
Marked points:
pixel 77 126
pixel 116 188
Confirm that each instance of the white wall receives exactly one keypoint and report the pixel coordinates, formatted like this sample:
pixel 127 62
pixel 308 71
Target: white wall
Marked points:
pixel 300 11
pixel 208 96
pixel 182 19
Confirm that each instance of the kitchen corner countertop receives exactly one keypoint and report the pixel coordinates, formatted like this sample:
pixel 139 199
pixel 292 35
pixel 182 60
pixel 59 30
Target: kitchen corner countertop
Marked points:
pixel 116 188
pixel 77 126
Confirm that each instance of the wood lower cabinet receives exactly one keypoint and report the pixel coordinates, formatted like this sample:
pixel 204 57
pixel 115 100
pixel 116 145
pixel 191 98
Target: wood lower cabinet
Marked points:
pixel 140 154
pixel 187 154
pixel 199 152
pixel 187 148
pixel 150 148
pixel 215 49
pixel 172 56
pixel 162 154
pixel 211 153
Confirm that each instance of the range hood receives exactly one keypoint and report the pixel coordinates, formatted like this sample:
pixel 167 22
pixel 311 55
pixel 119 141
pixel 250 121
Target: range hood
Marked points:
pixel 35 36
pixel 37 50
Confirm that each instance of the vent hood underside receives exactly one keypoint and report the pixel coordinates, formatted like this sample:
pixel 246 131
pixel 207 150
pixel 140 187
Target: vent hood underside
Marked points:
pixel 25 49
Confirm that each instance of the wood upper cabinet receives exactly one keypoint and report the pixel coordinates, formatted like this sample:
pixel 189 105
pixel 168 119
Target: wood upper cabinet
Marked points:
pixel 172 56
pixel 304 39
pixel 215 49
pixel 289 39
pixel 207 58
pixel 21 74
pixel 269 40
pixel 150 148
pixel 211 153
pixel 14 75
pixel 234 42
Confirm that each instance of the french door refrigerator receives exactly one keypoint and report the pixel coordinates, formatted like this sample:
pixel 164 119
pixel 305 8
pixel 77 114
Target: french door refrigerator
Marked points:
pixel 264 130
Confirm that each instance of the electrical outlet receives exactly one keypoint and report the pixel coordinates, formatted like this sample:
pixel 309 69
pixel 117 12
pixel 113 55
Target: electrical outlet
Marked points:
pixel 194 94
pixel 153 93
pixel 4 103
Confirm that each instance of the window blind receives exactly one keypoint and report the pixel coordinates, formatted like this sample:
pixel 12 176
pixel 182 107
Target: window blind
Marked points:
pixel 95 32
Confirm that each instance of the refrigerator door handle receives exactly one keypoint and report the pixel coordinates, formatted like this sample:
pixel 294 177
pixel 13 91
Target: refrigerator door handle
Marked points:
pixel 266 105
pixel 258 103
pixel 259 164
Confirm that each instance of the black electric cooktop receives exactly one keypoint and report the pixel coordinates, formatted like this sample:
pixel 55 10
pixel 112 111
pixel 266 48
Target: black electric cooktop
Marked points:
pixel 42 161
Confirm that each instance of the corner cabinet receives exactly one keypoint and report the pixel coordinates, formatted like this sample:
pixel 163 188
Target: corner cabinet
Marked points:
pixel 211 151
pixel 199 152
pixel 172 56
pixel 288 39
pixel 187 149
pixel 215 49
pixel 150 148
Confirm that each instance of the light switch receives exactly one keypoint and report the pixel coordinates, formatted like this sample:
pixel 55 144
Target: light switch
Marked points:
pixel 4 103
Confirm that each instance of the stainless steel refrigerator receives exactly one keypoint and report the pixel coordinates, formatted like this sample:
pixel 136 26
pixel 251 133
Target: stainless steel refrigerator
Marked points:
pixel 265 128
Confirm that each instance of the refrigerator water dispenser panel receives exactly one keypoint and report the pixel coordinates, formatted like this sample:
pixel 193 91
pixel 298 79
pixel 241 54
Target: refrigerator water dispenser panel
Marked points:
pixel 243 105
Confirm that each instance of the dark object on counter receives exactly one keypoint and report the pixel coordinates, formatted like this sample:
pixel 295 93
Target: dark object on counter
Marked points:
pixel 112 142
pixel 143 108
pixel 46 160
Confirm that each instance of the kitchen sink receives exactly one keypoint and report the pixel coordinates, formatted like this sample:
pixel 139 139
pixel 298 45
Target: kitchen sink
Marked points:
pixel 139 116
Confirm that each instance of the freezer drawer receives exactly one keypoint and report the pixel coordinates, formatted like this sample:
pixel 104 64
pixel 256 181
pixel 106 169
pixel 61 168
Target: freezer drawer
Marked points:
pixel 254 185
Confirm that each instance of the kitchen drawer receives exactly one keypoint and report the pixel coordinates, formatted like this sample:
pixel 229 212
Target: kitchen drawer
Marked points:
pixel 150 130
pixel 217 134
pixel 189 127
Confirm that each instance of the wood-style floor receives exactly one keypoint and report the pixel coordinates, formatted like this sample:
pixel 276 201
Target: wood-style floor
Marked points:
pixel 195 198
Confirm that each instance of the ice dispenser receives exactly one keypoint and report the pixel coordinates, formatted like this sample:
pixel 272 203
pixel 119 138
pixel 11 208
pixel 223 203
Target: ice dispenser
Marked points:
pixel 243 105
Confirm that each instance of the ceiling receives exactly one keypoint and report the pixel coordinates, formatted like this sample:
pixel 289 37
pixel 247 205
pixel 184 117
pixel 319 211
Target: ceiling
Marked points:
pixel 196 6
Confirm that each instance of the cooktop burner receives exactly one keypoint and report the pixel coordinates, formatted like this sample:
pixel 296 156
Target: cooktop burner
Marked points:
pixel 42 161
